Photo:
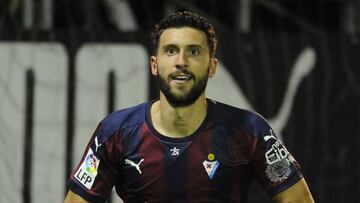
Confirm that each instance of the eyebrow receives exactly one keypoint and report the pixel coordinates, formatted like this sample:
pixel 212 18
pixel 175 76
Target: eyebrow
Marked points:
pixel 196 46
pixel 190 45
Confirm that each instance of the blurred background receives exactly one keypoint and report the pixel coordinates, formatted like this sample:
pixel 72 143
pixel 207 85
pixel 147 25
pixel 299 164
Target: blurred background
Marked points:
pixel 65 64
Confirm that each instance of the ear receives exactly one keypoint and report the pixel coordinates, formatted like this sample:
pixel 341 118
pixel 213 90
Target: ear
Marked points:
pixel 213 67
pixel 154 65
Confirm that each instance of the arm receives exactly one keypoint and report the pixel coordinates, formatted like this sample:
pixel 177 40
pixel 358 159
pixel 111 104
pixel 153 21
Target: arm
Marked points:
pixel 298 193
pixel 72 197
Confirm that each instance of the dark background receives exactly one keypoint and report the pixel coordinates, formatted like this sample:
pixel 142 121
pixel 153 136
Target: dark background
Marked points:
pixel 323 131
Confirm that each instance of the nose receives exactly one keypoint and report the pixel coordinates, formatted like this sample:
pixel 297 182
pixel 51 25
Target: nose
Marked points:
pixel 181 60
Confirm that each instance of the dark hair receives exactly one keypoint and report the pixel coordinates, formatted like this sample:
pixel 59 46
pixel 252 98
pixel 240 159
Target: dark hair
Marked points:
pixel 186 19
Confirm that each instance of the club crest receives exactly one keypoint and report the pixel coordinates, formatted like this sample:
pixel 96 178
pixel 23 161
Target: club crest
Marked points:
pixel 211 165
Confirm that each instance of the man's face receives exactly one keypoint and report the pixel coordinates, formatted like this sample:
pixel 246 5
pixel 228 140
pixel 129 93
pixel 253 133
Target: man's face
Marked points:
pixel 182 65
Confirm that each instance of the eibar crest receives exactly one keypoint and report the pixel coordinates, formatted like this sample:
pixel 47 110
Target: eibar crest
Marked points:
pixel 211 165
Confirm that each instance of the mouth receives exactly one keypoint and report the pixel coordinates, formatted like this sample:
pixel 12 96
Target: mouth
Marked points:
pixel 181 77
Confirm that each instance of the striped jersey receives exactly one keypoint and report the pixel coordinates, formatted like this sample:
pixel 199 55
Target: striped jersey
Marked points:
pixel 216 163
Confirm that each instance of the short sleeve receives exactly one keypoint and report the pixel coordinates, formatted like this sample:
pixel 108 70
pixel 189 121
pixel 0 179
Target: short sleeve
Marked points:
pixel 273 165
pixel 95 175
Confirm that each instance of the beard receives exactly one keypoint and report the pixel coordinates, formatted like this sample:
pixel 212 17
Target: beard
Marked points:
pixel 186 98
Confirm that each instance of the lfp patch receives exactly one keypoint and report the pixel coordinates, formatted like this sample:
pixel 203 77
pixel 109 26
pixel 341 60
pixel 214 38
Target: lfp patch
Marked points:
pixel 88 170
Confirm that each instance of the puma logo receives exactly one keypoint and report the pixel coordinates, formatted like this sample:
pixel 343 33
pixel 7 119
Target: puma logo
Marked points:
pixel 268 137
pixel 97 144
pixel 137 166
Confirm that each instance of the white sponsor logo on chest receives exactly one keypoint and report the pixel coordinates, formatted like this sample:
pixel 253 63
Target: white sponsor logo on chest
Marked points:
pixel 175 151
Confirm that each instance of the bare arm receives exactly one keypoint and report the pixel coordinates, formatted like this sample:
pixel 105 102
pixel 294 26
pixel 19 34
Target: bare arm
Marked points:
pixel 298 193
pixel 72 197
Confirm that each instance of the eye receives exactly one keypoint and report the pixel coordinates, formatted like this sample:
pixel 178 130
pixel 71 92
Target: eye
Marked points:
pixel 170 51
pixel 194 51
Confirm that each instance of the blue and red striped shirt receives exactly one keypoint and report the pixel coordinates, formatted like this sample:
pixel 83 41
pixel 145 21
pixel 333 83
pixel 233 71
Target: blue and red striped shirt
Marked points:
pixel 216 163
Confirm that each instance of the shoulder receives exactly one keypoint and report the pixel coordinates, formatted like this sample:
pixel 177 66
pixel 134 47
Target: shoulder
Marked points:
pixel 122 120
pixel 241 119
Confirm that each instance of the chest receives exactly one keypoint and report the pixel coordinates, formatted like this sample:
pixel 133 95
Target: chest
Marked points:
pixel 199 167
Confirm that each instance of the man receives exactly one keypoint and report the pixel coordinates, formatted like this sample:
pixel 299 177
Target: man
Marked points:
pixel 185 147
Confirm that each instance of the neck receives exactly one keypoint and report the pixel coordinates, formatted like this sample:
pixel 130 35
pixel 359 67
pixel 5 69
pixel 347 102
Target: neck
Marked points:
pixel 178 121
